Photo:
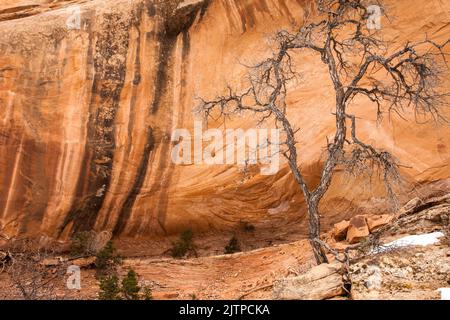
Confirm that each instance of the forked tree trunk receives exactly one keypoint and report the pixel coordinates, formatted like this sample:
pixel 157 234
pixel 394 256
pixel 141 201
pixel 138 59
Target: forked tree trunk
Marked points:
pixel 314 231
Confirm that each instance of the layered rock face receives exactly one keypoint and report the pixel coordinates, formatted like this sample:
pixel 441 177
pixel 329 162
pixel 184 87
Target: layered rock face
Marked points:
pixel 91 91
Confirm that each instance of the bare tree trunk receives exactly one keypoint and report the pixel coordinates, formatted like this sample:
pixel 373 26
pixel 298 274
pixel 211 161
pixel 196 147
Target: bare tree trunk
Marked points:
pixel 314 231
pixel 413 79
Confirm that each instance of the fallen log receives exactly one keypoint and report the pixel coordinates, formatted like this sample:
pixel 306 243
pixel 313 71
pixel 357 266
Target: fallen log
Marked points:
pixel 319 283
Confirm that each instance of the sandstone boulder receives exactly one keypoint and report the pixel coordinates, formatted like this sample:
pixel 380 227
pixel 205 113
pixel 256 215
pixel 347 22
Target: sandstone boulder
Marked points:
pixel 319 283
pixel 84 262
pixel 358 229
pixel 51 262
pixel 411 205
pixel 340 230
pixel 375 222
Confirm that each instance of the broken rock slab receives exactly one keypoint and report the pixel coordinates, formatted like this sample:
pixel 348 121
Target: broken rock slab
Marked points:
pixel 86 262
pixel 50 262
pixel 340 230
pixel 411 205
pixel 375 222
pixel 358 229
pixel 53 261
pixel 321 282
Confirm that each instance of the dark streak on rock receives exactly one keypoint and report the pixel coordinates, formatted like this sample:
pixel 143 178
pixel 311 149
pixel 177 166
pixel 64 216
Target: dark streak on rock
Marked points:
pixel 173 24
pixel 166 175
pixel 204 8
pixel 151 9
pixel 140 177
pixel 166 45
pixel 110 68
pixel 134 91
pixel 137 59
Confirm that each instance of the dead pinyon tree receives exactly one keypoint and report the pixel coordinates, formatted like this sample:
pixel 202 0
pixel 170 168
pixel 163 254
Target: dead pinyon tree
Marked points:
pixel 23 263
pixel 359 63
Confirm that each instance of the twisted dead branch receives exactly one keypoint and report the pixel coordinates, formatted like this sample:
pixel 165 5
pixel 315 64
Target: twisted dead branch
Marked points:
pixel 359 64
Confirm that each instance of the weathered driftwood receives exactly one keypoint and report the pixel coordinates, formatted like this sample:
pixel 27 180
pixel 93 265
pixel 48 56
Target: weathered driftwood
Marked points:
pixel 321 282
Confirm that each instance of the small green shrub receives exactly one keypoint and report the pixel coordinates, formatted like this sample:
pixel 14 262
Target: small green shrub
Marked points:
pixel 107 259
pixel 184 244
pixel 147 293
pixel 130 288
pixel 109 288
pixel 80 244
pixel 233 246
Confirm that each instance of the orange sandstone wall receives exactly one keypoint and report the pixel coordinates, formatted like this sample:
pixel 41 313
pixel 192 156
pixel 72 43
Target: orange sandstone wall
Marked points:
pixel 86 115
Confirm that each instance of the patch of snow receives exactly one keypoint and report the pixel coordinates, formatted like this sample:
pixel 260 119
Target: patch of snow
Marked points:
pixel 408 241
pixel 445 293
pixel 417 240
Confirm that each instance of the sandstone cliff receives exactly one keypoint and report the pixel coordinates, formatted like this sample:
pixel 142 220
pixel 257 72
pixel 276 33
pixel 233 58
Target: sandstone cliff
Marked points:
pixel 86 115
